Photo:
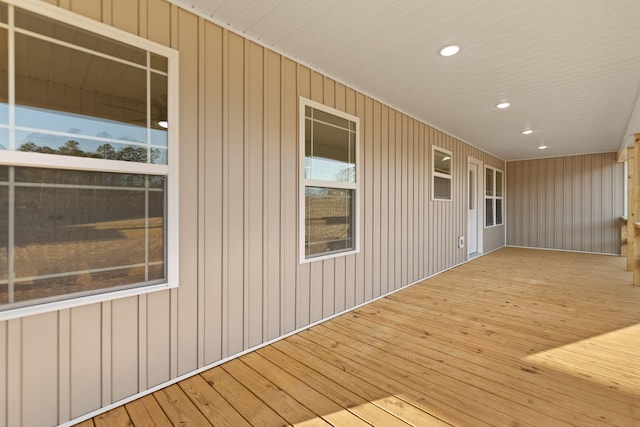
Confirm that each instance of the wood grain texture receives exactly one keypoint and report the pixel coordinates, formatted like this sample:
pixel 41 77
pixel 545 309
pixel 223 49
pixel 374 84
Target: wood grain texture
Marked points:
pixel 517 337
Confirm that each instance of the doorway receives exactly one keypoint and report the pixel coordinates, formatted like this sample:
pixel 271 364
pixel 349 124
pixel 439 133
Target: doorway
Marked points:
pixel 474 214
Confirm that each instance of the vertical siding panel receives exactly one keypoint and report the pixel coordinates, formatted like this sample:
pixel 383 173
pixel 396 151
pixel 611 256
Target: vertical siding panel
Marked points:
pixel 64 367
pixel 533 200
pixel 89 8
pixel 377 192
pixel 409 200
pixel 105 356
pixel 253 193
pixel 235 185
pixel 158 338
pixel 142 342
pixel 124 348
pixel 404 170
pixel 360 258
pixel 352 260
pixel 368 207
pixel 202 191
pixel 288 195
pixel 39 374
pixel 328 266
pixel 213 193
pixel 568 204
pixel 188 300
pixel 304 270
pixel 587 201
pixel 618 203
pixel 340 103
pixel 125 15
pixel 511 212
pixel 609 222
pixel 526 212
pixel 384 199
pixel 272 244
pixel 550 213
pixel 158 21
pixel 317 267
pixel 391 228
pixel 14 372
pixel 398 189
pixel 430 206
pixel 597 207
pixel 85 359
pixel 577 203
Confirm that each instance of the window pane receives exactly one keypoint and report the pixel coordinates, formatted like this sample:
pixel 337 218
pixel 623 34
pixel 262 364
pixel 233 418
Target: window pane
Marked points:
pixel 159 63
pixel 67 33
pixel 328 221
pixel 97 99
pixel 489 182
pixel 498 184
pixel 159 115
pixel 441 188
pixel 328 153
pixel 498 211
pixel 3 13
pixel 441 162
pixel 328 118
pixel 86 231
pixel 488 212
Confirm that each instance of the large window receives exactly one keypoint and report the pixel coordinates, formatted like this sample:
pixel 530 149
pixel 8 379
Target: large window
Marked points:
pixel 441 174
pixel 329 182
pixel 87 161
pixel 493 197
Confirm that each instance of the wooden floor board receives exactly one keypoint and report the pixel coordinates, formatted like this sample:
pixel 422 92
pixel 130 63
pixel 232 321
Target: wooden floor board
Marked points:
pixel 518 337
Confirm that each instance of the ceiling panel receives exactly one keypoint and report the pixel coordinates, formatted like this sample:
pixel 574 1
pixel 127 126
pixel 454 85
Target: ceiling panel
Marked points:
pixel 570 68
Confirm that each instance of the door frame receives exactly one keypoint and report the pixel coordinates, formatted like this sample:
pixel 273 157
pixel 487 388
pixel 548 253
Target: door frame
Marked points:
pixel 479 204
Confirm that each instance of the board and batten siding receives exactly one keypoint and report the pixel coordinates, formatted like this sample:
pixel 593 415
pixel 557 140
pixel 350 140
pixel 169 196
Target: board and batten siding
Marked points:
pixel 569 203
pixel 240 281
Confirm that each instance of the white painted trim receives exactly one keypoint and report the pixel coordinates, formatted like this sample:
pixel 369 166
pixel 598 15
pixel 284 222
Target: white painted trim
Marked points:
pixel 434 174
pixel 254 348
pixel 303 182
pixel 494 197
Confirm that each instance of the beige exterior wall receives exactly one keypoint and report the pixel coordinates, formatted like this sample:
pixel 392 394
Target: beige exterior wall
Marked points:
pixel 570 203
pixel 240 281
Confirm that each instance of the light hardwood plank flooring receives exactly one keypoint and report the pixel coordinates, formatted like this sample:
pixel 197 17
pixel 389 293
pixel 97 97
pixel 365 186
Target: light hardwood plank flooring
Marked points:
pixel 518 337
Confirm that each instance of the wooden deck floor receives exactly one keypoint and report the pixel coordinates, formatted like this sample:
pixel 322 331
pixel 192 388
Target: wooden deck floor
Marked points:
pixel 515 338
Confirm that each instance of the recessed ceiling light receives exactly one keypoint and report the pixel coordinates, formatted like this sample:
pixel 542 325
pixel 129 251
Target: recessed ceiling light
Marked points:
pixel 450 50
pixel 527 132
pixel 503 105
pixel 542 147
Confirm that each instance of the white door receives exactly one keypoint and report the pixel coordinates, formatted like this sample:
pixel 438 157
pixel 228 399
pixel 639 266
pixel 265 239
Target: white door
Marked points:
pixel 474 216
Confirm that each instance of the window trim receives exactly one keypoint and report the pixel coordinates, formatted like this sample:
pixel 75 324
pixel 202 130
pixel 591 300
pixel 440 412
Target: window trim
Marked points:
pixel 434 174
pixel 53 161
pixel 494 197
pixel 303 182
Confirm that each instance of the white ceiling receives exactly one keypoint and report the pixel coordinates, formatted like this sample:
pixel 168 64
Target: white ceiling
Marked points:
pixel 570 68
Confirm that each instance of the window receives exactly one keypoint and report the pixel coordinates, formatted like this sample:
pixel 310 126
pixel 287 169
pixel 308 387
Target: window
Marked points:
pixel 493 197
pixel 88 207
pixel 329 182
pixel 441 174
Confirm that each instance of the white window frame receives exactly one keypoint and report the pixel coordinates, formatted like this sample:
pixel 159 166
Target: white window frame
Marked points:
pixel 54 161
pixel 494 197
pixel 440 175
pixel 304 102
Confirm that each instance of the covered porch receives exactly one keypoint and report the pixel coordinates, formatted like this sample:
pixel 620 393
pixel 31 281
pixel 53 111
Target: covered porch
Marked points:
pixel 515 337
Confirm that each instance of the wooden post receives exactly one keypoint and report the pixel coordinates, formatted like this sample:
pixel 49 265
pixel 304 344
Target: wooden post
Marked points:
pixel 630 216
pixel 636 210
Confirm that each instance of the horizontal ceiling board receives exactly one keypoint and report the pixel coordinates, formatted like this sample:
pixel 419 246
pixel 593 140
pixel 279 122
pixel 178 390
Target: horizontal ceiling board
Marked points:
pixel 570 68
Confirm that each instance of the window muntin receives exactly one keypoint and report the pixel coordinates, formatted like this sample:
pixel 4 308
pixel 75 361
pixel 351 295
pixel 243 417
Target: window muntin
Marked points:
pixel 441 174
pixel 493 197
pixel 88 173
pixel 329 190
